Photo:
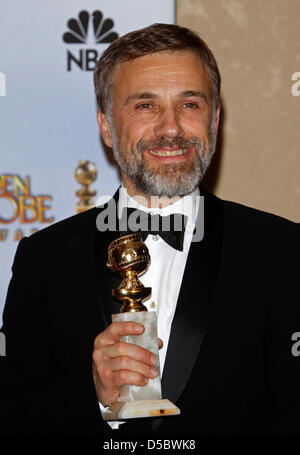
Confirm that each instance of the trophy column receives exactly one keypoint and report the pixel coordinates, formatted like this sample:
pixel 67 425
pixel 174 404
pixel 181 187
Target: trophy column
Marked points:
pixel 129 256
pixel 148 340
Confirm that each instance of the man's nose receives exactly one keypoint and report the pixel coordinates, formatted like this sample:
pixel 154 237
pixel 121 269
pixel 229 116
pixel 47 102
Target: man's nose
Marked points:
pixel 168 124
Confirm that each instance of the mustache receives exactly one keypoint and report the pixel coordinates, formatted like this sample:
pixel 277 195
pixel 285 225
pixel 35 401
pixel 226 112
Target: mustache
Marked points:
pixel 162 141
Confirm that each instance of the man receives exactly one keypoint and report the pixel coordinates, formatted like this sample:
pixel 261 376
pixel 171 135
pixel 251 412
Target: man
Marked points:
pixel 226 305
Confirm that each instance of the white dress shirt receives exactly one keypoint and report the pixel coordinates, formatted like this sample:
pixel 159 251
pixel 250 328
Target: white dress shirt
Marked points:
pixel 166 269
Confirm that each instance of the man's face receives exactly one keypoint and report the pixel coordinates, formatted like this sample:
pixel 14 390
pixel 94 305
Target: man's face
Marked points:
pixel 162 125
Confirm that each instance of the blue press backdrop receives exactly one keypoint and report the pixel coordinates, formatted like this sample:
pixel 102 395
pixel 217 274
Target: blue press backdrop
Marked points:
pixel 48 109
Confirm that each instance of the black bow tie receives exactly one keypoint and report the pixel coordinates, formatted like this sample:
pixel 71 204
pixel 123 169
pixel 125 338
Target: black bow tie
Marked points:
pixel 170 228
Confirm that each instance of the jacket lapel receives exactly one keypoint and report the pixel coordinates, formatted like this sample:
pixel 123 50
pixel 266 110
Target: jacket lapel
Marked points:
pixel 195 301
pixel 81 257
pixel 74 256
pixel 106 280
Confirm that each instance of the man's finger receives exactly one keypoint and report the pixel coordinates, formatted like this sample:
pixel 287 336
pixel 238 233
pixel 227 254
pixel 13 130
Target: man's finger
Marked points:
pixel 133 351
pixel 160 343
pixel 123 377
pixel 116 330
pixel 126 363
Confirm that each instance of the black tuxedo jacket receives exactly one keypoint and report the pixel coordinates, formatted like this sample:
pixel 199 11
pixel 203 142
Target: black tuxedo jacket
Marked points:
pixel 230 366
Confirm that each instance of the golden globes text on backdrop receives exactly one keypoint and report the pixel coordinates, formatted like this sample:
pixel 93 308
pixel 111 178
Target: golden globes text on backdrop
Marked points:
pixel 19 205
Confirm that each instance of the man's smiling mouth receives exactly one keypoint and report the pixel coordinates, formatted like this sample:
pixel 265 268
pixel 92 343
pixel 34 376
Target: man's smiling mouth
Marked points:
pixel 177 152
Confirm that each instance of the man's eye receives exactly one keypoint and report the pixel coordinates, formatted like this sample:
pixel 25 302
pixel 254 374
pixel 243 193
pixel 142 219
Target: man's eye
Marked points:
pixel 191 105
pixel 144 106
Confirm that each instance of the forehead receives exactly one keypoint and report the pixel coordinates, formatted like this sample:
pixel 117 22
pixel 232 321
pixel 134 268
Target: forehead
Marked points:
pixel 161 72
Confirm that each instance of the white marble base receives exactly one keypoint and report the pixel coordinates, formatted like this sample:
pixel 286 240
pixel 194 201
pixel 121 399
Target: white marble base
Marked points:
pixel 137 401
pixel 148 340
pixel 138 409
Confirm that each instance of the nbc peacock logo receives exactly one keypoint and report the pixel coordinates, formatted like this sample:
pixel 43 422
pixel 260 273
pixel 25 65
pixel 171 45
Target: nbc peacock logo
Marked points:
pixel 88 29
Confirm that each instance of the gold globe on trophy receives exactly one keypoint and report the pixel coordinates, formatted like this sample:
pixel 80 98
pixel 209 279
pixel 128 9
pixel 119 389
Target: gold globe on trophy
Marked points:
pixel 85 174
pixel 129 256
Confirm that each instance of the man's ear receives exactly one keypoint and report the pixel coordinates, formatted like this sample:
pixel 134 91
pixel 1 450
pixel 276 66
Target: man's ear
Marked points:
pixel 104 128
pixel 217 119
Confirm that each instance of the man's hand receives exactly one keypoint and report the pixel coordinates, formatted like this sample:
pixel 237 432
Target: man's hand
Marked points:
pixel 116 363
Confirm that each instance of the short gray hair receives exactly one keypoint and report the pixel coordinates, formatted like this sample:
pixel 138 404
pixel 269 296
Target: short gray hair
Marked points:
pixel 149 40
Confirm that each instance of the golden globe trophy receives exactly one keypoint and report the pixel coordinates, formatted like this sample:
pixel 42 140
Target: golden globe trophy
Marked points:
pixel 129 256
pixel 85 174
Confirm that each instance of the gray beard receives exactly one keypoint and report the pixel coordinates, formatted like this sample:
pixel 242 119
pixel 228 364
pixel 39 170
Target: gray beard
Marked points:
pixel 176 179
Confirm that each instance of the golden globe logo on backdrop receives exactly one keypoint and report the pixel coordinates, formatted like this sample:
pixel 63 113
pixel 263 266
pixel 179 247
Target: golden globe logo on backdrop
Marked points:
pixel 89 28
pixel 18 204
